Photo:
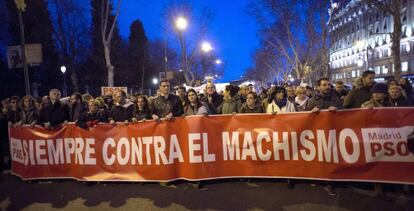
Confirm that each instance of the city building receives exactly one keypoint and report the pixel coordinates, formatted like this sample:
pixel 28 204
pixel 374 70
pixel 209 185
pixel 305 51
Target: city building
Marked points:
pixel 360 40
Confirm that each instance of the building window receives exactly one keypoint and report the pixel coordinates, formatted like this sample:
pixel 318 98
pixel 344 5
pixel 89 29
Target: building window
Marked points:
pixel 384 69
pixel 377 70
pixel 353 74
pixel 404 66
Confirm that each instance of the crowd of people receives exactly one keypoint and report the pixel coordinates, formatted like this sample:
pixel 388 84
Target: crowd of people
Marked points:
pixel 86 111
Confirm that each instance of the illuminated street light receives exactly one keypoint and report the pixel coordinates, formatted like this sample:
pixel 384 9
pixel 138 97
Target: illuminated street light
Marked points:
pixel 180 70
pixel 218 61
pixel 206 47
pixel 64 91
pixel 155 81
pixel 181 23
pixel 63 69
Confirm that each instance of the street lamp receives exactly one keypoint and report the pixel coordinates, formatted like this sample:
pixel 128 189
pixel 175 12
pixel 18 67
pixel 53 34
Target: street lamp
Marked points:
pixel 206 47
pixel 155 81
pixel 181 23
pixel 218 61
pixel 63 70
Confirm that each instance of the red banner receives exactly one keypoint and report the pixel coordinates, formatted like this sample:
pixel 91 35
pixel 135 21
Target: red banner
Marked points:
pixel 349 145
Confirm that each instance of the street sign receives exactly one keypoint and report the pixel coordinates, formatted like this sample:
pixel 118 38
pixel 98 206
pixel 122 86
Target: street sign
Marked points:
pixel 33 55
pixel 106 90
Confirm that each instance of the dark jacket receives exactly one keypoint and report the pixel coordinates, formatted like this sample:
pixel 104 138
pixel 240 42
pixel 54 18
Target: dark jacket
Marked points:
pixel 357 96
pixel 216 101
pixel 54 113
pixel 90 119
pixel 142 115
pixel 256 109
pixel 323 101
pixel 163 106
pixel 400 102
pixel 29 116
pixel 121 113
pixel 4 131
pixel 99 116
pixel 77 112
pixel 13 116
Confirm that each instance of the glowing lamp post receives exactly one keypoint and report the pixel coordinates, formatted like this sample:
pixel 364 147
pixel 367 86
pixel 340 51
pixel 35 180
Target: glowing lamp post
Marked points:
pixel 64 91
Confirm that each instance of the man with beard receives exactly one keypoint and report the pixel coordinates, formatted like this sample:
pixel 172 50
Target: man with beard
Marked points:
pixel 324 98
pixel 359 95
pixel 77 108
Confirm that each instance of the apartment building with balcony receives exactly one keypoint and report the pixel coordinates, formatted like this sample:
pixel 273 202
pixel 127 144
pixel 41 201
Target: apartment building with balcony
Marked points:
pixel 360 40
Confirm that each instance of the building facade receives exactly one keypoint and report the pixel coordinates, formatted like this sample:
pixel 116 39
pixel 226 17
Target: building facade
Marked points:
pixel 360 40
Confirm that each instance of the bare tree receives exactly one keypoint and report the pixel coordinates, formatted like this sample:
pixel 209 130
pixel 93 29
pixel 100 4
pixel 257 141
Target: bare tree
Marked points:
pixel 299 44
pixel 70 29
pixel 107 35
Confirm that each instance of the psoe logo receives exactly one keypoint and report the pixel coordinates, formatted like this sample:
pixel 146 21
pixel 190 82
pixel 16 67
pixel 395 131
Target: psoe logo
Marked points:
pixel 387 144
pixel 16 150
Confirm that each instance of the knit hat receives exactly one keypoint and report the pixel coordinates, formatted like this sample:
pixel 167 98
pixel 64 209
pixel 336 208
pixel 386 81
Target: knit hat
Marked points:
pixel 380 88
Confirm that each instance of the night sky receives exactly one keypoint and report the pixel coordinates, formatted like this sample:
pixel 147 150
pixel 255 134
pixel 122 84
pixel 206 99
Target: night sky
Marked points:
pixel 232 32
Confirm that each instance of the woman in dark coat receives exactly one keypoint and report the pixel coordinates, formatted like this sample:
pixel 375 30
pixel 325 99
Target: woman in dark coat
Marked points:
pixel 142 110
pixel 93 116
pixel 251 105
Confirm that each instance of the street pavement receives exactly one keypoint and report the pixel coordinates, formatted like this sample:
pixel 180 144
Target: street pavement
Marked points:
pixel 234 194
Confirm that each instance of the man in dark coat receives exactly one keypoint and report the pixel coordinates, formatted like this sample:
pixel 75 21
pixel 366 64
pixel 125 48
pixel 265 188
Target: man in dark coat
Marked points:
pixel 56 113
pixel 122 110
pixel 13 112
pixel 77 109
pixel 340 90
pixel 166 105
pixel 324 98
pixel 359 95
pixel 213 98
